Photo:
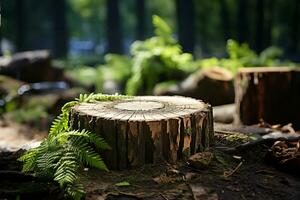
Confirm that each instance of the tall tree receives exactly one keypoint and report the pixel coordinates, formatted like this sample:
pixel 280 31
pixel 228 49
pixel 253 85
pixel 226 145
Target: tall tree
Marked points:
pixel 186 24
pixel 60 33
pixel 113 27
pixel 141 19
pixel 294 44
pixel 0 29
pixel 20 20
pixel 242 21
pixel 264 21
pixel 224 14
pixel 259 25
pixel 268 18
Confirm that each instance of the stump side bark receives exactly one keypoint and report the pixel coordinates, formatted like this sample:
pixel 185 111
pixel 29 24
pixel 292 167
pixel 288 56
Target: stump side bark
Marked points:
pixel 268 93
pixel 30 67
pixel 147 129
pixel 213 85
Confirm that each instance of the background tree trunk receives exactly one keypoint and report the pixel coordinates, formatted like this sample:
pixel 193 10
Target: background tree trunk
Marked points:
pixel 0 29
pixel 147 129
pixel 60 33
pixel 269 11
pixel 225 19
pixel 294 43
pixel 20 20
pixel 113 27
pixel 140 9
pixel 260 25
pixel 242 22
pixel 186 27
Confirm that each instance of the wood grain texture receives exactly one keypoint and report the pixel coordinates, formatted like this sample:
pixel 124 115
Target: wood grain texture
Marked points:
pixel 147 129
pixel 268 93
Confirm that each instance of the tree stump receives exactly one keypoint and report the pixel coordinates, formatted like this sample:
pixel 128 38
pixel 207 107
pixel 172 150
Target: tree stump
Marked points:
pixel 30 66
pixel 268 93
pixel 213 85
pixel 147 129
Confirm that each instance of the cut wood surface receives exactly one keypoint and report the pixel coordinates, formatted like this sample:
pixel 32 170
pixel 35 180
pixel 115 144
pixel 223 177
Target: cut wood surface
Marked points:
pixel 268 93
pixel 213 85
pixel 147 129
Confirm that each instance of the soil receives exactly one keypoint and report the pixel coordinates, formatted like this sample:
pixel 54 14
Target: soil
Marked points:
pixel 253 180
pixel 250 174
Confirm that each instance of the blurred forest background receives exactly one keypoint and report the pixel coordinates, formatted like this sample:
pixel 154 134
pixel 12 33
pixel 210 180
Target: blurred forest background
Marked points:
pixel 87 29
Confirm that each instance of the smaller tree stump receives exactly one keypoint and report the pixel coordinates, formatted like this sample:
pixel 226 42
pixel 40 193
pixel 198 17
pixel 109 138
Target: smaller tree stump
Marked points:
pixel 213 85
pixel 30 66
pixel 147 129
pixel 268 93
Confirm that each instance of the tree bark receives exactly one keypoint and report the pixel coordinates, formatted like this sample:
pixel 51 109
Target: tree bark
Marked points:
pixel 141 19
pixel 60 33
pixel 271 94
pixel 242 22
pixel 20 19
pixel 113 27
pixel 186 25
pixel 268 23
pixel 259 25
pixel 147 129
pixel 294 31
pixel 224 14
pixel 214 85
pixel 0 29
pixel 31 67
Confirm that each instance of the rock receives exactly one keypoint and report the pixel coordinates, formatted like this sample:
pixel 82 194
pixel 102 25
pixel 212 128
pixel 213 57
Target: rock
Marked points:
pixel 201 160
pixel 201 192
pixel 224 113
pixel 190 175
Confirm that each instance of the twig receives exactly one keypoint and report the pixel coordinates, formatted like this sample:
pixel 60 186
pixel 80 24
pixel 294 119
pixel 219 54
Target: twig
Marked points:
pixel 227 173
pixel 227 132
pixel 163 196
pixel 243 197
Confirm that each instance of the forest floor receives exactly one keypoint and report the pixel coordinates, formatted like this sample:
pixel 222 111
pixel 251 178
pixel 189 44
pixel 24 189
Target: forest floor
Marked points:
pixel 247 173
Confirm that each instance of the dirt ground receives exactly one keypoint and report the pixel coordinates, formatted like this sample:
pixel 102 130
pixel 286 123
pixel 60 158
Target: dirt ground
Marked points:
pixel 247 174
pixel 253 179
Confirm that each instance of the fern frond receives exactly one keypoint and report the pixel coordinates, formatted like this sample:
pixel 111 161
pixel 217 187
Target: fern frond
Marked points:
pixel 92 138
pixel 75 190
pixel 65 151
pixel 87 155
pixel 58 125
pixel 66 169
pixel 98 141
pixel 84 98
pixel 29 160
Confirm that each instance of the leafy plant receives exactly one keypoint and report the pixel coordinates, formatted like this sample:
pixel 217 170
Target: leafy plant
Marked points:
pixel 157 58
pixel 65 152
pixel 240 55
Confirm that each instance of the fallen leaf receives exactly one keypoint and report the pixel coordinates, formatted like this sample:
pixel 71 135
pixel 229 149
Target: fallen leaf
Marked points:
pixel 122 184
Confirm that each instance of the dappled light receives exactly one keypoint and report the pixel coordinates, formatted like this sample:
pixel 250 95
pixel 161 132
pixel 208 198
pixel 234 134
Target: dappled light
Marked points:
pixel 137 99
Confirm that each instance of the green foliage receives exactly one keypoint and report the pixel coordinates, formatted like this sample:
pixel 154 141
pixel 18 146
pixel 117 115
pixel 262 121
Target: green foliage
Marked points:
pixel 240 55
pixel 65 152
pixel 118 67
pixel 155 59
pixel 27 115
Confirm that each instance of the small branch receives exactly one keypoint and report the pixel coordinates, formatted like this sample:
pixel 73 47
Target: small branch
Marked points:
pixel 228 173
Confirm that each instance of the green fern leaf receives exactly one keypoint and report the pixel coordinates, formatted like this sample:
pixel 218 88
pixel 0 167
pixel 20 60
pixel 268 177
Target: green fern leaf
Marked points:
pixel 75 190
